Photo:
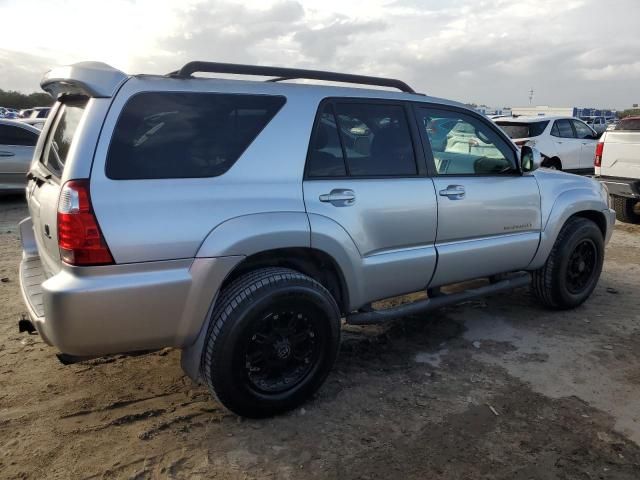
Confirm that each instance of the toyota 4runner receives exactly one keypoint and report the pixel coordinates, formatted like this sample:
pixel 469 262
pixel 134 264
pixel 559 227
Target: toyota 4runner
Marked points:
pixel 241 221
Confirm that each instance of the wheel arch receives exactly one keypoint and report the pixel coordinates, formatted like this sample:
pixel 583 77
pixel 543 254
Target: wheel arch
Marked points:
pixel 572 203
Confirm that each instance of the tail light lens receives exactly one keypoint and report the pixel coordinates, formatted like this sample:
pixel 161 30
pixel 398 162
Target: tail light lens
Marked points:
pixel 597 159
pixel 79 237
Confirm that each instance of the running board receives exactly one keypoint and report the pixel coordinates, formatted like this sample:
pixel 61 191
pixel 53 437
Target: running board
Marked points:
pixel 380 316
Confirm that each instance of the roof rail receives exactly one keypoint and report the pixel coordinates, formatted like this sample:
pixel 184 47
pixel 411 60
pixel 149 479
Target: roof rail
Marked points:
pixel 287 74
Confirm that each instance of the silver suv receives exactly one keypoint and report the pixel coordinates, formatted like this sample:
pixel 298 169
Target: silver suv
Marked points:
pixel 240 221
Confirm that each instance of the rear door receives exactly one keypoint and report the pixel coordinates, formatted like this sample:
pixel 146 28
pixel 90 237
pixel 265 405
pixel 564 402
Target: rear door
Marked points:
pixel 45 184
pixel 365 172
pixel 588 142
pixel 489 217
pixel 568 147
pixel 16 150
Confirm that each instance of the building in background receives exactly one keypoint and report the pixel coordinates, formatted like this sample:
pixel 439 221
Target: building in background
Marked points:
pixel 578 112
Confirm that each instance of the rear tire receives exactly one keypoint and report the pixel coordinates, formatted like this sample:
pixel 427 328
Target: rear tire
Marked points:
pixel 273 339
pixel 627 209
pixel 573 267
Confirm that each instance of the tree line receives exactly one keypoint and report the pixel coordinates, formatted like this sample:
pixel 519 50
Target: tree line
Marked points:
pixel 13 99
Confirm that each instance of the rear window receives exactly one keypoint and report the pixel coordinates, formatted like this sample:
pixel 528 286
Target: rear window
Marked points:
pixel 632 124
pixel 523 130
pixel 185 135
pixel 59 141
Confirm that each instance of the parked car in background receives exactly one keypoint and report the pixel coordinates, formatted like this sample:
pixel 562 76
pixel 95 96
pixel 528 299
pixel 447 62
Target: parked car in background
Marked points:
pixel 291 207
pixel 17 141
pixel 598 124
pixel 34 122
pixel 566 143
pixel 617 165
pixel 25 113
pixel 40 112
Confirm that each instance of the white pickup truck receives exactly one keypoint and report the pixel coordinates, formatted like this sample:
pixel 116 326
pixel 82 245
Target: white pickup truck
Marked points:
pixel 617 166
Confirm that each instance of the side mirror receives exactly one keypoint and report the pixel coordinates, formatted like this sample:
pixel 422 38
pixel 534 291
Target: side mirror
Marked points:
pixel 530 158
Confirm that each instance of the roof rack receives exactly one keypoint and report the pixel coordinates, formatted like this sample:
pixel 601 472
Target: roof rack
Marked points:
pixel 287 74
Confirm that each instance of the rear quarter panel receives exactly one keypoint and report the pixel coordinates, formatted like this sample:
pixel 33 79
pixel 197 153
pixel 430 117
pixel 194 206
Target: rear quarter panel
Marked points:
pixel 146 220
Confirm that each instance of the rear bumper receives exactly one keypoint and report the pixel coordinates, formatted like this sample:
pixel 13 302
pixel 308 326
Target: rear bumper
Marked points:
pixel 621 187
pixel 88 311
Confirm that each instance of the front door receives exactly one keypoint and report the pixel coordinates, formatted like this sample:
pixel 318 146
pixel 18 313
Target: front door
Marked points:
pixel 362 176
pixel 489 217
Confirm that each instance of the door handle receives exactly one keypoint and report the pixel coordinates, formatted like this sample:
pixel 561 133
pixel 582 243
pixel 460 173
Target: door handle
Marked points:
pixel 454 192
pixel 339 197
pixel 7 154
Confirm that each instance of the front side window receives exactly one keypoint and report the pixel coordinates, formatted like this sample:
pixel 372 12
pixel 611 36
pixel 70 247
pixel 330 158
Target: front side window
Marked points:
pixel 14 135
pixel 186 135
pixel 582 130
pixel 467 146
pixel 563 129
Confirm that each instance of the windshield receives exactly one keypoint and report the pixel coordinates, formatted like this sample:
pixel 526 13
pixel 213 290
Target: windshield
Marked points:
pixel 524 129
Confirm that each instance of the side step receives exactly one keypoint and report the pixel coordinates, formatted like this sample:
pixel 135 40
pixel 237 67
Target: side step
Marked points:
pixel 380 316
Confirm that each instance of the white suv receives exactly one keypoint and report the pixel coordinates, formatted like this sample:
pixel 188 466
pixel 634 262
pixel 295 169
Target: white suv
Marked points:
pixel 565 143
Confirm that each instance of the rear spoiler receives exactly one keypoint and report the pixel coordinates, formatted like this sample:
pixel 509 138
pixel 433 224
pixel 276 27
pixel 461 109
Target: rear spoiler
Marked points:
pixel 94 79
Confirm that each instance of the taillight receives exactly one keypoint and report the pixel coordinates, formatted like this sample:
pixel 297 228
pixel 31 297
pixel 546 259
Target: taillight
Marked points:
pixel 79 237
pixel 597 159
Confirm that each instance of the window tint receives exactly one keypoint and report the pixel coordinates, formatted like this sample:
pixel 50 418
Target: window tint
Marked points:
pixel 59 143
pixel 563 129
pixel 185 135
pixel 325 152
pixel 464 145
pixel 523 130
pixel 375 139
pixel 13 135
pixel 582 131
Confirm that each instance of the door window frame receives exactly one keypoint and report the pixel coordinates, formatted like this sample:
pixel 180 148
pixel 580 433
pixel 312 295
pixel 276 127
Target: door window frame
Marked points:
pixel 431 165
pixel 414 134
pixel 555 124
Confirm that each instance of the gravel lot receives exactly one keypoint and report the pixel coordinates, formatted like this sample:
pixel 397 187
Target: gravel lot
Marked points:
pixel 493 389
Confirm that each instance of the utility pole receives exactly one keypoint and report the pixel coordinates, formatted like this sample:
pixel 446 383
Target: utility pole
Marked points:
pixel 530 95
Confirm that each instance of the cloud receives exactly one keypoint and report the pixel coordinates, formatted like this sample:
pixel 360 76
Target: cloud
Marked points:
pixel 22 71
pixel 576 52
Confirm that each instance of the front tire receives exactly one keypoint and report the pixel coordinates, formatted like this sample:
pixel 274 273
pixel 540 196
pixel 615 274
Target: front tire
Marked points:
pixel 273 339
pixel 573 267
pixel 627 209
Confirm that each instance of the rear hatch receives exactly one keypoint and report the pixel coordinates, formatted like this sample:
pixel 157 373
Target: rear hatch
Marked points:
pixel 46 174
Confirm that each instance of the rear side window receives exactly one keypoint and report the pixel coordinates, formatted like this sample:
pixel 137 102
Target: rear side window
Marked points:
pixel 563 129
pixel 185 135
pixel 59 141
pixel 14 135
pixel 361 140
pixel 632 124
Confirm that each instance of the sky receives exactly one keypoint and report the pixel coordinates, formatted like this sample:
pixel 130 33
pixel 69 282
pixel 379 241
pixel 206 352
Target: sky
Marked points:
pixel 570 52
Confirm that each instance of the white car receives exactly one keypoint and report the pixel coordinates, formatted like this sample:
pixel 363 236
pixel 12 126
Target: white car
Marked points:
pixel 566 143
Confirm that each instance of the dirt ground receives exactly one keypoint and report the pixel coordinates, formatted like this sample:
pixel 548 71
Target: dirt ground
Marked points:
pixel 493 389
